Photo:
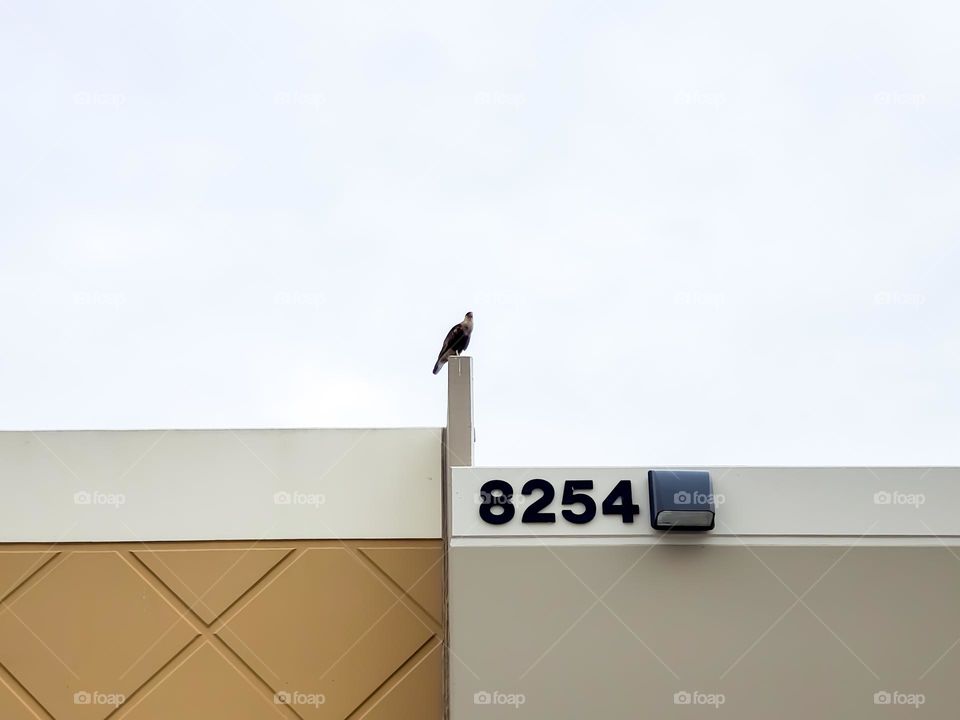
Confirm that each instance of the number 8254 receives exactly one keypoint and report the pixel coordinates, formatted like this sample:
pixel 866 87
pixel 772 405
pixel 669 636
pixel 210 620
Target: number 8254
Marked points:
pixel 497 507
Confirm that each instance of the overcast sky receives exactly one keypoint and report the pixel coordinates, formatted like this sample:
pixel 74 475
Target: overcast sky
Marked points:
pixel 690 233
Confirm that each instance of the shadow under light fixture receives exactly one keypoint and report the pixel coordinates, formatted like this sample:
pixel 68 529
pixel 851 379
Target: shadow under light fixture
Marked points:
pixel 681 500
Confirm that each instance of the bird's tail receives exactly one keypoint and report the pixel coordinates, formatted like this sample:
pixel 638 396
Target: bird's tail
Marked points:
pixel 436 368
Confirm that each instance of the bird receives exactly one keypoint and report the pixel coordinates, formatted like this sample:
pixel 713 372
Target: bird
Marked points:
pixel 455 342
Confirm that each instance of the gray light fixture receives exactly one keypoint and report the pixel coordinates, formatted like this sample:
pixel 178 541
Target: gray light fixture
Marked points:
pixel 681 500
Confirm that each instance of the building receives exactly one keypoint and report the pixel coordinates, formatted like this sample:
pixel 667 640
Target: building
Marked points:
pixel 303 574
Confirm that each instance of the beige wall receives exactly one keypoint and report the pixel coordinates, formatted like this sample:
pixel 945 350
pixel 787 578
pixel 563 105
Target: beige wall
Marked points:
pixel 216 630
pixel 614 632
pixel 818 589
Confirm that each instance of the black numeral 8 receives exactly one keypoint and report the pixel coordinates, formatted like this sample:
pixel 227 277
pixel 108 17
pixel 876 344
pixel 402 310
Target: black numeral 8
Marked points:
pixel 496 494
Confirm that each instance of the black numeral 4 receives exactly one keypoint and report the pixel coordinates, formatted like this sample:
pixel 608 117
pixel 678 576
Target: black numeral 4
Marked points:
pixel 620 502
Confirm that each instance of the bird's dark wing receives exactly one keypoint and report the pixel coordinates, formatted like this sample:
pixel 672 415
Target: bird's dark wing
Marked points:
pixel 460 344
pixel 453 337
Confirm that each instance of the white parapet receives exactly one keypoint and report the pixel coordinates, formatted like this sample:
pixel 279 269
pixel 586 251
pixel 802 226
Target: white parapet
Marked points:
pixel 86 486
pixel 772 502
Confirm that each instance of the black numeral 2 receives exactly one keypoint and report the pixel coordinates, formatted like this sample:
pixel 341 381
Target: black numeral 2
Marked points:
pixel 534 513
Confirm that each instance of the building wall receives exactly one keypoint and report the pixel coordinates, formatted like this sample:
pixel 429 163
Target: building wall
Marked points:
pixel 299 574
pixel 190 589
pixel 813 596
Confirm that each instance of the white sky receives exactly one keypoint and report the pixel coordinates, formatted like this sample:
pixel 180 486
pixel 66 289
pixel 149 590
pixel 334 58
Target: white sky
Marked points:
pixel 690 232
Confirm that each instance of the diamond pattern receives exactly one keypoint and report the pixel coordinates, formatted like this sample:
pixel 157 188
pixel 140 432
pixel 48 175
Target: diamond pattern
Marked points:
pixel 417 570
pixel 209 581
pixel 17 566
pixel 312 618
pixel 338 640
pixel 90 626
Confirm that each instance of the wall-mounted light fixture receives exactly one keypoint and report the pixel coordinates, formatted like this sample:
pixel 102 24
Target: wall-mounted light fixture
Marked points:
pixel 681 500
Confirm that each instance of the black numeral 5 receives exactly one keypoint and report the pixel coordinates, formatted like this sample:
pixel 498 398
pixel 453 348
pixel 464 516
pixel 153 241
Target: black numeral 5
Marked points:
pixel 572 497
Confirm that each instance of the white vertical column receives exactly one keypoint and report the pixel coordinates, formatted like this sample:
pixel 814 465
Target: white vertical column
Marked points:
pixel 457 452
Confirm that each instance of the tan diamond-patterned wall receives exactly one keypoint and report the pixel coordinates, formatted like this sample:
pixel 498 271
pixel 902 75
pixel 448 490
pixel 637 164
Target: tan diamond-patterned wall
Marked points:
pixel 315 630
